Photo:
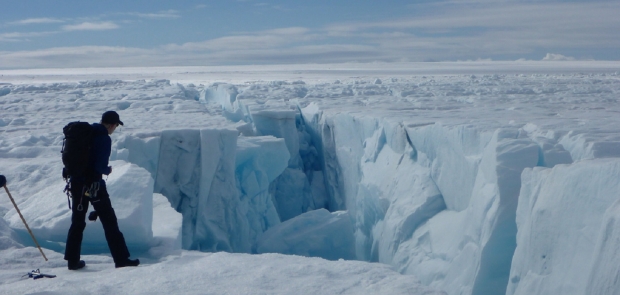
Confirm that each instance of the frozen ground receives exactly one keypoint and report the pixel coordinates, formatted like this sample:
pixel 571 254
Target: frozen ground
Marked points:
pixel 469 178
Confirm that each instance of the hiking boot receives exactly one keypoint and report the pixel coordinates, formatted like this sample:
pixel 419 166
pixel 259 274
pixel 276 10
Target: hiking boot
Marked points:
pixel 128 262
pixel 76 265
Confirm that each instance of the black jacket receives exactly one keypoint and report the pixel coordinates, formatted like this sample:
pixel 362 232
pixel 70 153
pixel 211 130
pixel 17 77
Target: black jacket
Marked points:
pixel 100 153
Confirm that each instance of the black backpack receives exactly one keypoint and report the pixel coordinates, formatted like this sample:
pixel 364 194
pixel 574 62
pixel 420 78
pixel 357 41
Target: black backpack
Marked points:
pixel 76 149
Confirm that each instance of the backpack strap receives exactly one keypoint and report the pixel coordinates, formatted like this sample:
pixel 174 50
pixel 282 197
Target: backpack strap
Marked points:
pixel 68 192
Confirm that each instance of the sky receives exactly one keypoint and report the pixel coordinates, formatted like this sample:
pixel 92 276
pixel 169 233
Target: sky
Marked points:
pixel 72 33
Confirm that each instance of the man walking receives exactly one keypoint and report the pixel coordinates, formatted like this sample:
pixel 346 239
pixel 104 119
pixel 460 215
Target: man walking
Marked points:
pixel 85 190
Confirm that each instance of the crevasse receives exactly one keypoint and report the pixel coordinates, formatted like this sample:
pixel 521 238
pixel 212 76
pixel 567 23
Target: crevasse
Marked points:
pixel 467 208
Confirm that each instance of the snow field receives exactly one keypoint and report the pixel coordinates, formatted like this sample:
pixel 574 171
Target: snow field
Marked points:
pixel 473 183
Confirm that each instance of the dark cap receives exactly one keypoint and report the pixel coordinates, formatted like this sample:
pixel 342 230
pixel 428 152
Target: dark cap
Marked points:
pixel 111 117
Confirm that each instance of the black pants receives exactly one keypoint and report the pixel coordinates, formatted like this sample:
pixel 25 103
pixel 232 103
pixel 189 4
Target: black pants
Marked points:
pixel 103 206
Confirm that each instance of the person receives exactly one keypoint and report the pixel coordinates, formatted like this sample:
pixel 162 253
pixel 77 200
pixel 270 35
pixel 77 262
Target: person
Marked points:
pixel 85 190
pixel 2 180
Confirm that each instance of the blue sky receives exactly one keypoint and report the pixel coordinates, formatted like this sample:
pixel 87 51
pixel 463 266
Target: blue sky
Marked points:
pixel 72 33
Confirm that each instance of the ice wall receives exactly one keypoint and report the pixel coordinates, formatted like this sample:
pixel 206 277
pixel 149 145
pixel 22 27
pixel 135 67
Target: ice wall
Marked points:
pixel 220 183
pixel 567 239
pixel 435 201
pixel 300 188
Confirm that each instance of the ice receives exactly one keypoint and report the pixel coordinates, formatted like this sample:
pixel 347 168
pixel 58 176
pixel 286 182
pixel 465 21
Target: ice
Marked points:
pixel 393 193
pixel 317 233
pixel 131 192
pixel 167 225
pixel 469 178
pixel 226 96
pixel 220 183
pixel 259 161
pixel 295 190
pixel 5 91
pixel 603 278
pixel 8 237
pixel 565 238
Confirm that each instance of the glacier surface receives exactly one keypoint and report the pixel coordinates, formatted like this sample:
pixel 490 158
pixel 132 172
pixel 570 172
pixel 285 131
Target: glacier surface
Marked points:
pixel 485 183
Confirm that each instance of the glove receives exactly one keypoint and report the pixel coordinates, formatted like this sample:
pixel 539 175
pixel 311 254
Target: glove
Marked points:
pixel 2 180
pixel 93 216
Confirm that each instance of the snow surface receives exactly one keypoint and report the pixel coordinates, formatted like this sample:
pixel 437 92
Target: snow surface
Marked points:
pixel 463 178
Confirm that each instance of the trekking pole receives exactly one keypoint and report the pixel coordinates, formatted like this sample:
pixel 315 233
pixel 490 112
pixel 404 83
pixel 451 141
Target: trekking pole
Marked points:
pixel 24 220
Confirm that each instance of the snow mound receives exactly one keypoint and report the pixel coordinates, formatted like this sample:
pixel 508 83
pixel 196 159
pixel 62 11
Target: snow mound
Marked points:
pixel 131 192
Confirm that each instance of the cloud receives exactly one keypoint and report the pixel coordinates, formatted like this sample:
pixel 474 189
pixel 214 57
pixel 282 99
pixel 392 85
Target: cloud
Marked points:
pixel 91 26
pixel 37 21
pixel 105 56
pixel 22 36
pixel 82 56
pixel 509 31
pixel 160 15
pixel 498 17
pixel 276 38
pixel 557 57
pixel 471 31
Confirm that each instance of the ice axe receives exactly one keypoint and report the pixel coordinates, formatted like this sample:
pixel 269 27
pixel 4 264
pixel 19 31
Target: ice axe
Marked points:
pixel 24 220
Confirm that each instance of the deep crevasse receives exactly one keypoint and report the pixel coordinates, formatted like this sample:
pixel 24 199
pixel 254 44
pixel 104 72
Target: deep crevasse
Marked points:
pixel 438 201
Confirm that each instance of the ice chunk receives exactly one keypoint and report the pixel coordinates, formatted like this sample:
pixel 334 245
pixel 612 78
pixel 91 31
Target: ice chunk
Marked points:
pixel 270 154
pixel 188 163
pixel 316 233
pixel 143 152
pixel 226 96
pixel 260 160
pixel 455 153
pixel 552 153
pixel 561 216
pixel 220 183
pixel 280 124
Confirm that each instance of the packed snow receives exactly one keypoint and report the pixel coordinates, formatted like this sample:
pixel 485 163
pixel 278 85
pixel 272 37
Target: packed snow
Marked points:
pixel 413 178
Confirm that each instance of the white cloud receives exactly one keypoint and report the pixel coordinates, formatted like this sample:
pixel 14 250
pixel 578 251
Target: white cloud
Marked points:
pixel 508 31
pixel 557 57
pixel 471 31
pixel 506 15
pixel 91 26
pixel 82 56
pixel 37 21
pixel 261 40
pixel 160 15
pixel 22 36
